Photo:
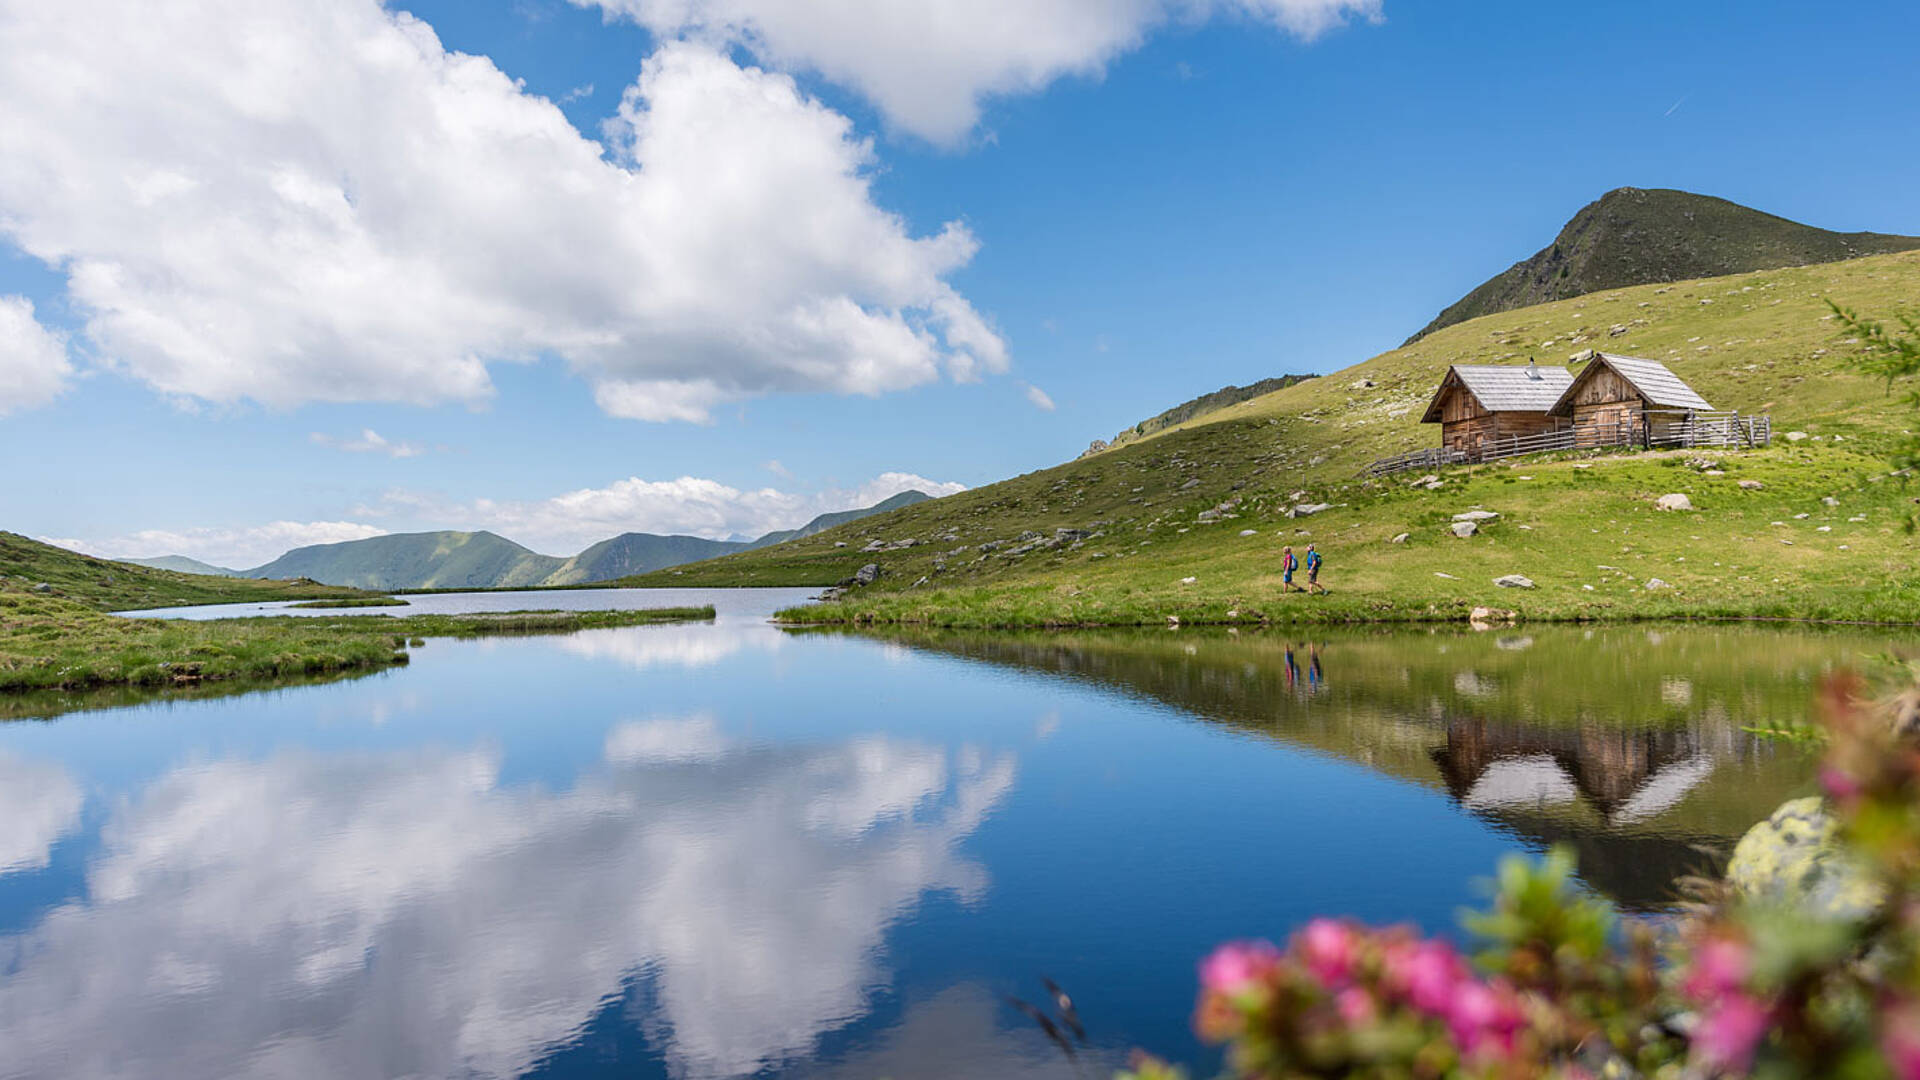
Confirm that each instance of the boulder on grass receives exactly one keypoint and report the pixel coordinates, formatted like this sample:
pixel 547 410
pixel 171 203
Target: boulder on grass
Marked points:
pixel 1514 581
pixel 1675 501
pixel 1464 529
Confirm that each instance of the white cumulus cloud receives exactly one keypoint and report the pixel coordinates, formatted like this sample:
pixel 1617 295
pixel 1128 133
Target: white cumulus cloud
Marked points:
pixel 33 359
pixel 288 201
pixel 929 64
pixel 1040 399
pixel 234 548
pixel 369 441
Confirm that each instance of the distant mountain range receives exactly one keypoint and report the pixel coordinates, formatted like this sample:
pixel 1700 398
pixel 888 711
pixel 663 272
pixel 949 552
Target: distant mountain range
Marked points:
pixel 1635 236
pixel 484 560
pixel 185 566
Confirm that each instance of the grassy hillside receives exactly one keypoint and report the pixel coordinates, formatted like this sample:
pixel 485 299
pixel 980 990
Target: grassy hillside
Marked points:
pixel 433 560
pixel 116 586
pixel 1585 531
pixel 1637 237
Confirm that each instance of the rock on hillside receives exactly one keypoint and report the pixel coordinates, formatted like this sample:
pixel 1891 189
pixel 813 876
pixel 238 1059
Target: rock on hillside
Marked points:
pixel 1640 237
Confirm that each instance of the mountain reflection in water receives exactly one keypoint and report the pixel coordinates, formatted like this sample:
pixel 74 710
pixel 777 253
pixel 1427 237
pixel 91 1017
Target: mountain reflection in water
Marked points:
pixel 1626 743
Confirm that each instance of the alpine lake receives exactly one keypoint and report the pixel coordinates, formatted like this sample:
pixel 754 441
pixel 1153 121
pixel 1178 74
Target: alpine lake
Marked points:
pixel 728 849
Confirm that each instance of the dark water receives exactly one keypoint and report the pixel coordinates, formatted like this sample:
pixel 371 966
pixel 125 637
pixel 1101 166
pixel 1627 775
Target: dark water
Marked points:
pixel 725 850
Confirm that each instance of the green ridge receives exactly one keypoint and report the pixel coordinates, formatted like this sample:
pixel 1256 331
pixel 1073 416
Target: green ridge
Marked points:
pixel 417 560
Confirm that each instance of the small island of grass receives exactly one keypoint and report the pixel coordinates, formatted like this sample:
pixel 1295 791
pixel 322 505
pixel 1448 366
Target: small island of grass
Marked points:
pixel 48 643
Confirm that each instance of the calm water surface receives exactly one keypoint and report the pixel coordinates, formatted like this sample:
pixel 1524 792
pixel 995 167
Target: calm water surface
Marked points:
pixel 723 850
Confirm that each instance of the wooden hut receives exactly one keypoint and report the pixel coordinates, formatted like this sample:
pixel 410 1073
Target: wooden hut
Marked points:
pixel 1625 398
pixel 1478 405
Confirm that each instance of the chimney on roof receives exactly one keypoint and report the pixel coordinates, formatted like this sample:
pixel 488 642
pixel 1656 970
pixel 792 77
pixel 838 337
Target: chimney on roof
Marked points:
pixel 1533 370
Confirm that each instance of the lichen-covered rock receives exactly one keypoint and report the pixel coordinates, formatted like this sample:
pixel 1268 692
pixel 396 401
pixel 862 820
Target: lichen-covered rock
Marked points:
pixel 1794 858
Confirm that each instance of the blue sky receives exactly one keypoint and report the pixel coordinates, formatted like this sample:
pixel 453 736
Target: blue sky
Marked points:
pixel 268 228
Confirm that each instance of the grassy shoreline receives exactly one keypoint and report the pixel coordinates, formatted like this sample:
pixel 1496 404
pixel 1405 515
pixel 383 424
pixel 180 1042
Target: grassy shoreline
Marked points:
pixel 931 614
pixel 1819 537
pixel 48 643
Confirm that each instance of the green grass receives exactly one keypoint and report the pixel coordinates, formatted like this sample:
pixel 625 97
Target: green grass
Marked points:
pixel 48 643
pixel 353 602
pixel 1769 346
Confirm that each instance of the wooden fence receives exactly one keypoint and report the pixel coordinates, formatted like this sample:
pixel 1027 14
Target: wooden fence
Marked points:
pixel 1652 429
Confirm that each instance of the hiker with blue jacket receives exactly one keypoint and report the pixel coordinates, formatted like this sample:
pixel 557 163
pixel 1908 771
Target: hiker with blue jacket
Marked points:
pixel 1313 571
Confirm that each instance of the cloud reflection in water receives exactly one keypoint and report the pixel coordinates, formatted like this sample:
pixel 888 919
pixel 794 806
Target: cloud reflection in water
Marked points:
pixel 403 913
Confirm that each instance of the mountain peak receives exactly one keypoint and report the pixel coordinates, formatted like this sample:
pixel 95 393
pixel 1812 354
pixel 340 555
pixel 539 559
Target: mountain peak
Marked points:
pixel 1641 236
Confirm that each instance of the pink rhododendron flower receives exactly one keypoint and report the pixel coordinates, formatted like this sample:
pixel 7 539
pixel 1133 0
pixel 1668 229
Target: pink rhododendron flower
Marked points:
pixel 1729 1032
pixel 1482 1019
pixel 1328 946
pixel 1841 786
pixel 1900 1040
pixel 1428 973
pixel 1719 968
pixel 1355 1006
pixel 1238 966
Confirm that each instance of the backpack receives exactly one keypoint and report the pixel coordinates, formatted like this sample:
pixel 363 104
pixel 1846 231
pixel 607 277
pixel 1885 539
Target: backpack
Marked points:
pixel 1313 560
pixel 1292 563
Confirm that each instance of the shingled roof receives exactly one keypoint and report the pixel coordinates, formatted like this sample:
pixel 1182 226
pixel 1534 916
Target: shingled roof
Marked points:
pixel 1506 388
pixel 1660 387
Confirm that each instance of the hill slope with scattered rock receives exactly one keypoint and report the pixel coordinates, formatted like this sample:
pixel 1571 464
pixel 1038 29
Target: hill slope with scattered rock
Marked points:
pixel 1632 236
pixel 1190 522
